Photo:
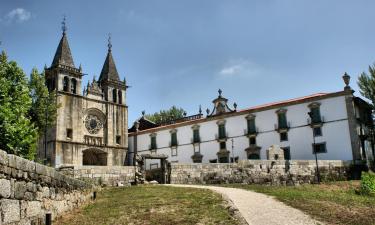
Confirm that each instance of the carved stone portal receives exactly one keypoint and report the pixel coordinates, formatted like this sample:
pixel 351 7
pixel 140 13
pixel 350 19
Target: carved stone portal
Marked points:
pixel 275 153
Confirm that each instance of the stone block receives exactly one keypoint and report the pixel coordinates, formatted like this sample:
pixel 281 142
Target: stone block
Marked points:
pixel 19 189
pixel 3 158
pixel 21 163
pixel 5 188
pixel 10 210
pixel 34 209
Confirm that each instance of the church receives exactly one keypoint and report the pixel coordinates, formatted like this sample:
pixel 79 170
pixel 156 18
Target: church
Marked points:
pixel 91 126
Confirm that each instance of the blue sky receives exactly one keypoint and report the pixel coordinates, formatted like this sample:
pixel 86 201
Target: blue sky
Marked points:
pixel 181 52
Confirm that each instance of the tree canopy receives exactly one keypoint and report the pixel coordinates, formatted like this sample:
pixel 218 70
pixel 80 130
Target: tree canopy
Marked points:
pixel 18 134
pixel 366 83
pixel 162 116
pixel 43 109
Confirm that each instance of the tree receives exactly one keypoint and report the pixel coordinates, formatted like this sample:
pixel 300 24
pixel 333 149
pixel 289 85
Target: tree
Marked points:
pixel 366 83
pixel 17 133
pixel 43 109
pixel 173 113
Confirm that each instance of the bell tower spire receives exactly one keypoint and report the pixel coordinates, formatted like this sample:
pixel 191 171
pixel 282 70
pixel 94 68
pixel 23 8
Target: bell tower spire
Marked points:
pixel 63 55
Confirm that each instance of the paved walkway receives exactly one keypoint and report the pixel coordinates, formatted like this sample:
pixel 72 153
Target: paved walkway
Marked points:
pixel 260 209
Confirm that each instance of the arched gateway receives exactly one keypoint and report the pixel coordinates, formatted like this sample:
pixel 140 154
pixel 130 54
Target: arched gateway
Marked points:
pixel 94 157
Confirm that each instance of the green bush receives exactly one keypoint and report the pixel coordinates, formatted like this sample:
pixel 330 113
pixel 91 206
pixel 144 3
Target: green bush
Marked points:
pixel 368 183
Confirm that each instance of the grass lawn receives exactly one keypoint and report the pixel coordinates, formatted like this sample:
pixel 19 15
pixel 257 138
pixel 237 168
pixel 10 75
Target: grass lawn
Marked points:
pixel 332 203
pixel 152 205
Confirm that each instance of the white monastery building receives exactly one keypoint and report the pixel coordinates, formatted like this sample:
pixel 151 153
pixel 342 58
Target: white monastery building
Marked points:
pixel 336 125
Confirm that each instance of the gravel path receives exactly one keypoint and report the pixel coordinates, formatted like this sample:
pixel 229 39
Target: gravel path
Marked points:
pixel 260 209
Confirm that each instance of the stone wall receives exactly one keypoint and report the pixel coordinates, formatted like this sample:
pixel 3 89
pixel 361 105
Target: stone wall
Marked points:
pixel 29 190
pixel 281 172
pixel 103 175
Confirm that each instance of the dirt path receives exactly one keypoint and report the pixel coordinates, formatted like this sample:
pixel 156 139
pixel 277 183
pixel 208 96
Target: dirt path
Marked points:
pixel 260 209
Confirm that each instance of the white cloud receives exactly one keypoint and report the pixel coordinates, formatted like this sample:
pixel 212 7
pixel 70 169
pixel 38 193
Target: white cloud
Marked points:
pixel 19 15
pixel 240 68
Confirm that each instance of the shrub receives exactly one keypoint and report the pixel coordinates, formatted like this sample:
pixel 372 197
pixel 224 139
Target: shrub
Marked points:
pixel 368 183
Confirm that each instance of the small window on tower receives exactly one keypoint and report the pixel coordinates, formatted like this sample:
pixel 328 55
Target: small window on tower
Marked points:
pixel 66 84
pixel 118 139
pixel 119 97
pixel 69 133
pixel 74 86
pixel 114 95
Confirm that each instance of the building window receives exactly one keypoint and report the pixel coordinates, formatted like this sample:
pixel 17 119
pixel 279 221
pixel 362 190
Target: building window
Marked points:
pixel 213 161
pixel 251 129
pixel 174 139
pixel 196 137
pixel 118 139
pixel 252 141
pixel 253 156
pixel 73 86
pixel 319 148
pixel 222 133
pixel 283 136
pixel 120 97
pixel 69 133
pixel 223 145
pixel 66 84
pixel 315 113
pixel 174 151
pixel 114 95
pixel 153 142
pixel 286 151
pixel 223 159
pixel 281 118
pixel 317 131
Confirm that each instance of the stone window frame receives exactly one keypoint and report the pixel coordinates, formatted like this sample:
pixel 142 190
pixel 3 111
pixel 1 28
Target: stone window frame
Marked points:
pixel 252 138
pixel 287 136
pixel 315 105
pixel 153 135
pixel 220 123
pixel 317 144
pixel 282 111
pixel 251 116
pixel 69 133
pixel 118 139
pixel 196 127
pixel 171 144
pixel 73 86
pixel 114 95
pixel 321 131
pixel 66 84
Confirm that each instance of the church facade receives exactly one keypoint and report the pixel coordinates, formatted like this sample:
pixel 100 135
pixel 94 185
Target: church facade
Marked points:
pixel 91 126
pixel 337 126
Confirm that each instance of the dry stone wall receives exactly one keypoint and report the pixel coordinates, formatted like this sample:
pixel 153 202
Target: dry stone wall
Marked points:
pixel 103 175
pixel 29 190
pixel 280 172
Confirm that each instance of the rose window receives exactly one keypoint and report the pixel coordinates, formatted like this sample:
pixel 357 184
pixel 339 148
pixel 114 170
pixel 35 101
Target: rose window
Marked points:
pixel 93 124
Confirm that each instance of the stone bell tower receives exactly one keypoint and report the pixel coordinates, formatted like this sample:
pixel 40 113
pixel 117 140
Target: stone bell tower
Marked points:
pixel 91 128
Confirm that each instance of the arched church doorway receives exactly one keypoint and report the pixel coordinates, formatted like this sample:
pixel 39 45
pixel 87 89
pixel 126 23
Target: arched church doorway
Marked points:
pixel 94 157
